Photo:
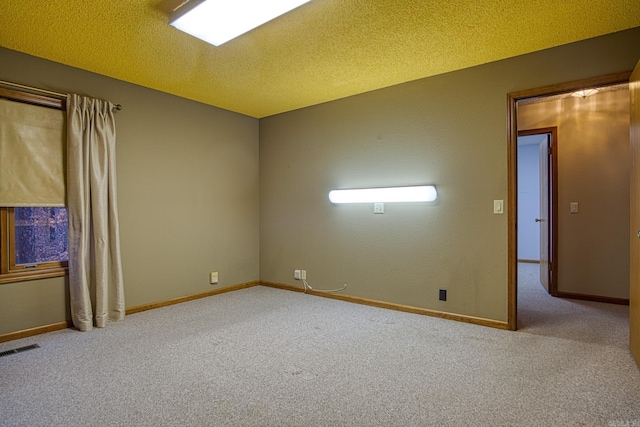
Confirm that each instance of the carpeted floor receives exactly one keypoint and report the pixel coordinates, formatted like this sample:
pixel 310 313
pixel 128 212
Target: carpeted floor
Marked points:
pixel 541 314
pixel 267 357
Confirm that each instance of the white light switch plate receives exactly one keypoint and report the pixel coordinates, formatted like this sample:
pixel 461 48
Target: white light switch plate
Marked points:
pixel 378 208
pixel 498 207
pixel 574 207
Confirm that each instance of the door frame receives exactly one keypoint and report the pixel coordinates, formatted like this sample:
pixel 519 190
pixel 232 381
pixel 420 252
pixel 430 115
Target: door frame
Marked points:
pixel 552 203
pixel 512 172
pixel 634 285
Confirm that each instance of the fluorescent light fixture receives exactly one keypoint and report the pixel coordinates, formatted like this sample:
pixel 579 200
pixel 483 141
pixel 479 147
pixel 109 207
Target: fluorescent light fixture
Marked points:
pixel 424 193
pixel 218 21
pixel 584 93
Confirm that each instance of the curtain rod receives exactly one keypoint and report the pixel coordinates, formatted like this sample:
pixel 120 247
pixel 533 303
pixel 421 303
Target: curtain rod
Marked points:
pixel 44 91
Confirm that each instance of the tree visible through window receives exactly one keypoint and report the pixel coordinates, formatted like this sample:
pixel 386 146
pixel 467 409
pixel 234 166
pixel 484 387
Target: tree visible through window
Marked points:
pixel 40 235
pixel 34 243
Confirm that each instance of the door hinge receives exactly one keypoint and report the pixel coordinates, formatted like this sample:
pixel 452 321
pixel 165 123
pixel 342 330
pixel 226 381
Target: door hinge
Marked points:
pixel 550 267
pixel 550 150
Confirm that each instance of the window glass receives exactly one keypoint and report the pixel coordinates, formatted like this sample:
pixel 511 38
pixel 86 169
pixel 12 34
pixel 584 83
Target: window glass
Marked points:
pixel 40 235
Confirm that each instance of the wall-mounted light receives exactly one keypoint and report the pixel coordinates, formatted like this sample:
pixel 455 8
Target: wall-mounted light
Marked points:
pixel 423 193
pixel 218 21
pixel 584 93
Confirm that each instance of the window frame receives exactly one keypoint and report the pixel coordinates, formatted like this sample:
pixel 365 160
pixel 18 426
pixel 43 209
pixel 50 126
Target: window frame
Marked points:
pixel 9 272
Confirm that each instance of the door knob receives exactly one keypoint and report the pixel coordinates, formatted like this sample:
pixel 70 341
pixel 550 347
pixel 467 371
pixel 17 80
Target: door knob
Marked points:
pixel 638 234
pixel 540 220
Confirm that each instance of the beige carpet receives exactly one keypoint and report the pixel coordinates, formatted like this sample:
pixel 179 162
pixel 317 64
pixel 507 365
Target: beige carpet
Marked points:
pixel 268 357
pixel 541 314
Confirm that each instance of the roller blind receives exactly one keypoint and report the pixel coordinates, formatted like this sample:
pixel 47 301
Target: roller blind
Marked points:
pixel 32 155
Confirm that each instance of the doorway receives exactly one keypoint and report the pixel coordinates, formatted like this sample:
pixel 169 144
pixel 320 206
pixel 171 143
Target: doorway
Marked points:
pixel 513 101
pixel 538 202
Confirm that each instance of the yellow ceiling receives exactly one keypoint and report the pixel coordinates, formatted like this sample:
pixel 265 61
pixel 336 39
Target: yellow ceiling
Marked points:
pixel 324 50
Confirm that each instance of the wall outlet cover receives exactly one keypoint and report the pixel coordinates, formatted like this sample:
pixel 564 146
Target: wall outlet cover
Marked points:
pixel 213 277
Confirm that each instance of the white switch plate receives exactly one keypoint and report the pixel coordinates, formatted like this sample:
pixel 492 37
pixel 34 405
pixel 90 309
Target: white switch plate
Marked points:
pixel 378 208
pixel 213 277
pixel 574 207
pixel 498 207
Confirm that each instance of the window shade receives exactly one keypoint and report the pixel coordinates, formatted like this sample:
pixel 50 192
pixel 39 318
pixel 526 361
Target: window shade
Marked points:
pixel 32 155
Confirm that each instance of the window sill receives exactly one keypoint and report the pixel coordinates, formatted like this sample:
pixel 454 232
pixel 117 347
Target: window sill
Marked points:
pixel 23 276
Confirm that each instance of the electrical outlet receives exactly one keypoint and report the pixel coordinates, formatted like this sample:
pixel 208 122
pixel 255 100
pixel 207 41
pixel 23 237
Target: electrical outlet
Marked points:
pixel 303 273
pixel 213 277
pixel 443 295
pixel 300 274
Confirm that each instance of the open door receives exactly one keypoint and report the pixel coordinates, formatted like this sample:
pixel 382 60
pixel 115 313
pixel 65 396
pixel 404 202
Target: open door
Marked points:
pixel 634 285
pixel 548 215
pixel 543 218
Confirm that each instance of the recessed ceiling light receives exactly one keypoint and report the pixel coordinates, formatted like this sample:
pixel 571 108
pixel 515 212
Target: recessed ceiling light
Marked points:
pixel 218 21
pixel 584 93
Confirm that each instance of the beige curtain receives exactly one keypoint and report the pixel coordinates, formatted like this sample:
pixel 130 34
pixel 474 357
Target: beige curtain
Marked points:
pixel 95 270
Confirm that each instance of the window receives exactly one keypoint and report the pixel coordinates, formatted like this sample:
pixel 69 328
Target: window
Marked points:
pixel 34 242
pixel 33 239
pixel 39 235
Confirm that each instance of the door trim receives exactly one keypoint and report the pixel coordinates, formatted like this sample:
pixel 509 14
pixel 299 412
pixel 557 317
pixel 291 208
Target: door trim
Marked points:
pixel 634 213
pixel 512 173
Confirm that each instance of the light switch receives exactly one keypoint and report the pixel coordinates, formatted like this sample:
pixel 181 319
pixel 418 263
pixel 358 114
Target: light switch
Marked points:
pixel 498 207
pixel 378 208
pixel 574 207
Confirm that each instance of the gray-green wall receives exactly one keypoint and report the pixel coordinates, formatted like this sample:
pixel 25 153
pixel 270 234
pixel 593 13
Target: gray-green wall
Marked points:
pixel 448 130
pixel 187 193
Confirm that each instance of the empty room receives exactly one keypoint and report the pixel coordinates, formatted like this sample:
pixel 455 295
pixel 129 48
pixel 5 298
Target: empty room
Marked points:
pixel 184 248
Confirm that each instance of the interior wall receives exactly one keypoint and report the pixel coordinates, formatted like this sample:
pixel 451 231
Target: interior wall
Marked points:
pixel 187 193
pixel 528 202
pixel 188 186
pixel 448 130
pixel 593 170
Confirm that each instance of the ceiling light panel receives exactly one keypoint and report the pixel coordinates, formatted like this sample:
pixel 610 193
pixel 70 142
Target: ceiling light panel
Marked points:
pixel 218 21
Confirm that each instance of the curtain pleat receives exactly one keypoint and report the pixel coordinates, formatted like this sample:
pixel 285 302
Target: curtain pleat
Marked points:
pixel 95 268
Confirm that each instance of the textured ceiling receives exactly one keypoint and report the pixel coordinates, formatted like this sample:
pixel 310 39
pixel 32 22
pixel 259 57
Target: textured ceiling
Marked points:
pixel 324 50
